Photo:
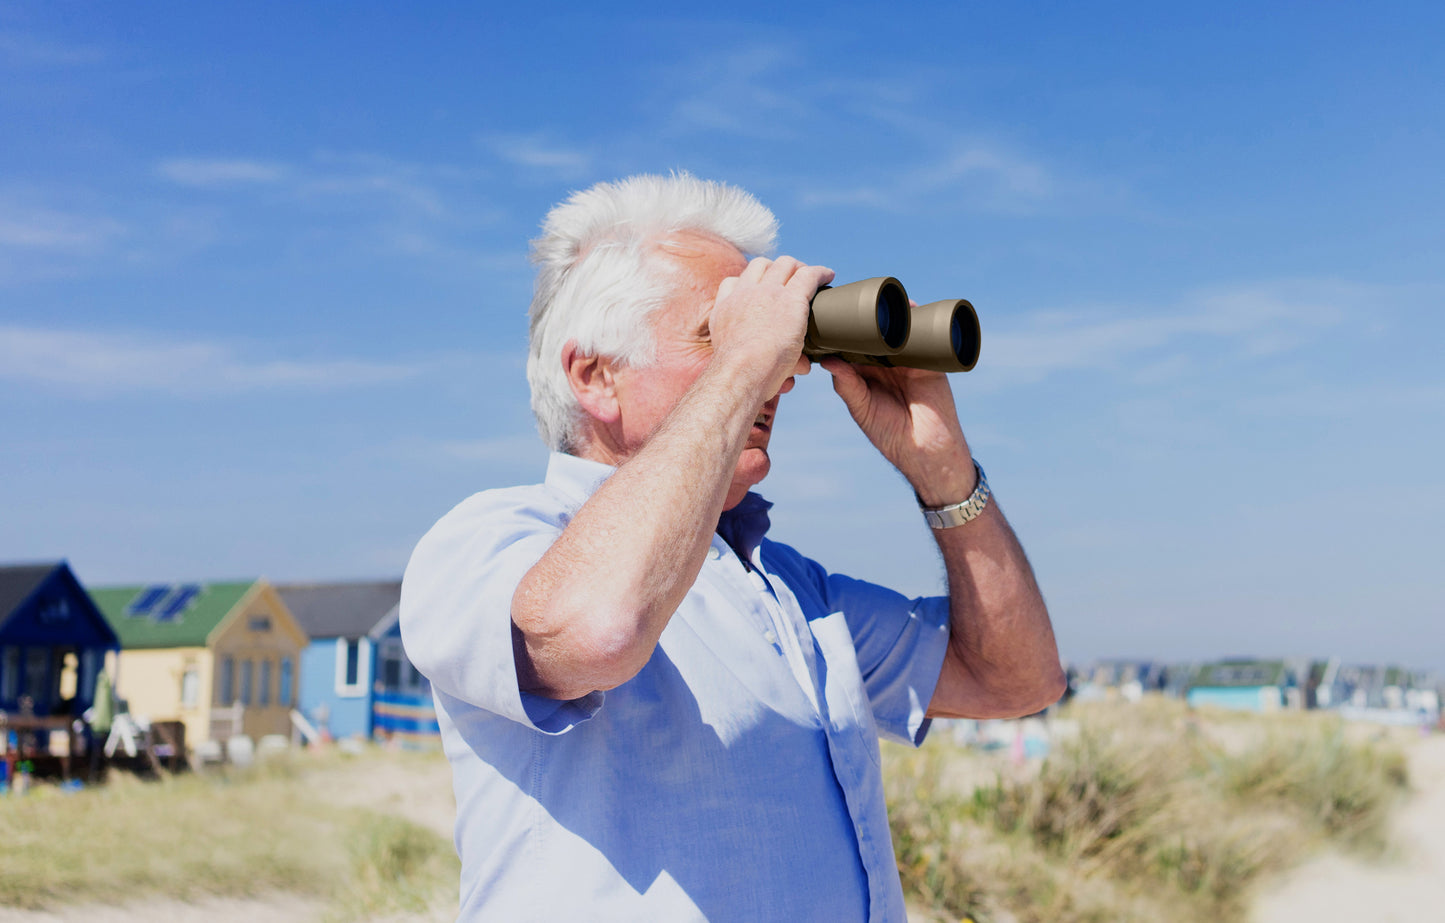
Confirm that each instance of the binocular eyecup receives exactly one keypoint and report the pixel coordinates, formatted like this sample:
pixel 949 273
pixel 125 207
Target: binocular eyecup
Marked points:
pixel 871 323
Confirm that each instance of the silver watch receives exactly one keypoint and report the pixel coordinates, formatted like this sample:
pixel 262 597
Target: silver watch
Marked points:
pixel 956 514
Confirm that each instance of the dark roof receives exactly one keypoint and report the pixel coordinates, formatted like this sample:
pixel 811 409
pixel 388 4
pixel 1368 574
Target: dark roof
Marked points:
pixel 168 615
pixel 18 581
pixel 340 610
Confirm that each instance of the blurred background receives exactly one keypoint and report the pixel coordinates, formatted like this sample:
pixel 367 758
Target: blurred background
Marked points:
pixel 264 281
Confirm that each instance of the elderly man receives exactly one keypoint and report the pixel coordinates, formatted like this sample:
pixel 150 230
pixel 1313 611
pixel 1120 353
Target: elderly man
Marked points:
pixel 652 711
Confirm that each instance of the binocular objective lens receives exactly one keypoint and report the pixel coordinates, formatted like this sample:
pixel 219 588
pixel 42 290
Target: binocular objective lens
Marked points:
pixel 892 318
pixel 955 336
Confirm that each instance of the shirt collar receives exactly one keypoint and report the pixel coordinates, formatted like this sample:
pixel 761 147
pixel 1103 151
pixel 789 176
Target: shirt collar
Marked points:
pixel 742 527
pixel 577 478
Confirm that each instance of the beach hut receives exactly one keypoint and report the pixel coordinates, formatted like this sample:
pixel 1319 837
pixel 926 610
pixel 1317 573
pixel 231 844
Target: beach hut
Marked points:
pixel 223 659
pixel 403 711
pixel 339 664
pixel 1242 685
pixel 53 642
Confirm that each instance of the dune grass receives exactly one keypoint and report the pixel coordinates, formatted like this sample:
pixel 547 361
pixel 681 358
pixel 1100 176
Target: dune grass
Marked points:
pixel 249 833
pixel 1144 815
pixel 1148 812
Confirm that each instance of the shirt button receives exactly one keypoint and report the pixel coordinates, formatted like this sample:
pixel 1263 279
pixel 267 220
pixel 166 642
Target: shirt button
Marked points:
pixel 770 637
pixel 713 554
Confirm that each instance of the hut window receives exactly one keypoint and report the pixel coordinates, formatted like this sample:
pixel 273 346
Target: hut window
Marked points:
pixel 260 623
pixel 391 670
pixel 190 687
pixel 245 682
pixel 285 695
pixel 264 696
pixel 37 674
pixel 9 674
pixel 55 610
pixel 89 669
pixel 351 666
pixel 228 680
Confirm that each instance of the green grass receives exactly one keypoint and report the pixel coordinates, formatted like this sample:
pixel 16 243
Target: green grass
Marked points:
pixel 1143 816
pixel 249 833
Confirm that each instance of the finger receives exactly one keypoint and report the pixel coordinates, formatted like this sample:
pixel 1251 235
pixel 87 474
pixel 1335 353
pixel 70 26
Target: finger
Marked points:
pixel 726 287
pixel 782 270
pixel 811 277
pixel 756 268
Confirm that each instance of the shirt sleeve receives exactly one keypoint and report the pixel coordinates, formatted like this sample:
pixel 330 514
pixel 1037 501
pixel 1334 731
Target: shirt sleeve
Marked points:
pixel 456 608
pixel 900 643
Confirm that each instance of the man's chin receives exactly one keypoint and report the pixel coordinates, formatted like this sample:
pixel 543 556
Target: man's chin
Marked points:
pixel 752 467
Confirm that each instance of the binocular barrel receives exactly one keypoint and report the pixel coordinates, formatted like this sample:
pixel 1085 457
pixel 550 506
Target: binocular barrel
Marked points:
pixel 871 323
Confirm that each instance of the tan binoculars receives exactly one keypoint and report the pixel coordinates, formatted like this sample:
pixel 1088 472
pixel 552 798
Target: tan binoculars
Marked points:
pixel 871 323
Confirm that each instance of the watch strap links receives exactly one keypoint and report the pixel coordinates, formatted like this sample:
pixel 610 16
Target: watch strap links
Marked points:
pixel 956 514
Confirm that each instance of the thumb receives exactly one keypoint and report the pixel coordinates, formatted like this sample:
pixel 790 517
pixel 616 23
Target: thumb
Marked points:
pixel 848 385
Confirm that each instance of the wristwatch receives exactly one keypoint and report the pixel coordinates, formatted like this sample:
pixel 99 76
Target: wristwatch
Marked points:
pixel 956 514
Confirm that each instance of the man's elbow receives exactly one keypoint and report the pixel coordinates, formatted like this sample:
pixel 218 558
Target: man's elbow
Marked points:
pixel 1049 688
pixel 1012 695
pixel 571 655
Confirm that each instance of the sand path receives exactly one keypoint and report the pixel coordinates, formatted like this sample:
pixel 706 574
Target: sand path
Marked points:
pixel 1404 889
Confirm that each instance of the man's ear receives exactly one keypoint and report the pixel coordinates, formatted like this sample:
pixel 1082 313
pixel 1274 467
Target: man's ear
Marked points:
pixel 591 378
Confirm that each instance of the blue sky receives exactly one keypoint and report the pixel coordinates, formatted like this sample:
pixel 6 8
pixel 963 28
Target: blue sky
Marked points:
pixel 263 283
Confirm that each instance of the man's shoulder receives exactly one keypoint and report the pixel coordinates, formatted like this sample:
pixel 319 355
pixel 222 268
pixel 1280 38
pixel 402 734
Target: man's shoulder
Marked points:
pixel 790 564
pixel 501 509
pixel 492 519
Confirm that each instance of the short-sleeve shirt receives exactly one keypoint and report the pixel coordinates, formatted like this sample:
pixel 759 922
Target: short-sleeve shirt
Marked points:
pixel 735 777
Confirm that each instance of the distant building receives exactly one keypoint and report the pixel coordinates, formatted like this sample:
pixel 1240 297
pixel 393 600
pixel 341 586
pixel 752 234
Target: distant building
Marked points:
pixel 340 663
pixel 53 641
pixel 1128 679
pixel 1243 685
pixel 221 658
pixel 402 709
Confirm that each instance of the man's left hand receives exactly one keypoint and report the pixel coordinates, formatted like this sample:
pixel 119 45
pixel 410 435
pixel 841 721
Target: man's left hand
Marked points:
pixel 909 416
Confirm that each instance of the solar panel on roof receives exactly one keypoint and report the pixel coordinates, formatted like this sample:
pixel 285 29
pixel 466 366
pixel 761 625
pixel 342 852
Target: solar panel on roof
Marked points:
pixel 147 598
pixel 177 603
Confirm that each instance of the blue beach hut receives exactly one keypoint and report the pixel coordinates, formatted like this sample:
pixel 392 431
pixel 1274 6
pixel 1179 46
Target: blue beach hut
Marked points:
pixel 53 641
pixel 339 666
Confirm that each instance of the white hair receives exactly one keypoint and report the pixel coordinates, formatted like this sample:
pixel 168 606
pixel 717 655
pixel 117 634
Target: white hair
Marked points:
pixel 598 282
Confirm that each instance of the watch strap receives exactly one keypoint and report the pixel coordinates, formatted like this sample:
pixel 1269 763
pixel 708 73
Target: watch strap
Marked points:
pixel 956 514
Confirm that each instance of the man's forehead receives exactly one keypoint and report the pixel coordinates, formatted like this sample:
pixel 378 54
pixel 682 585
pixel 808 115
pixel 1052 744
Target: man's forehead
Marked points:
pixel 690 245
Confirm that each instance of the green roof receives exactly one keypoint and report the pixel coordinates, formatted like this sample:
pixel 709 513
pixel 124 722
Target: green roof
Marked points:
pixel 156 625
pixel 1241 673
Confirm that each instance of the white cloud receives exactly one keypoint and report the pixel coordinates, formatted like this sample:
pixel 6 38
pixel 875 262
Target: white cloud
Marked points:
pixel 48 229
pixel 1258 320
pixel 989 176
pixel 106 364
pixel 736 91
pixel 537 152
pixel 193 171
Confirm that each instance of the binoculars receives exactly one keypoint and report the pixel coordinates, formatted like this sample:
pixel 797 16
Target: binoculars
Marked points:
pixel 871 323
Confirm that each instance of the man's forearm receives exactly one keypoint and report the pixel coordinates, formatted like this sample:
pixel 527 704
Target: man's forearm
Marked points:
pixel 1003 660
pixel 589 614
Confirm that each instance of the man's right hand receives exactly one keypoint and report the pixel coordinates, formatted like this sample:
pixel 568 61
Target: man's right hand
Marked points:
pixel 760 318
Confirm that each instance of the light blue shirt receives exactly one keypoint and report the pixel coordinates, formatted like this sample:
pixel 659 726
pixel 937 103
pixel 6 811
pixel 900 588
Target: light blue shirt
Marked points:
pixel 736 777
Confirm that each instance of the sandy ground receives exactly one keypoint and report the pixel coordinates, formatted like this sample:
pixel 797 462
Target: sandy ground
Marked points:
pixel 1408 887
